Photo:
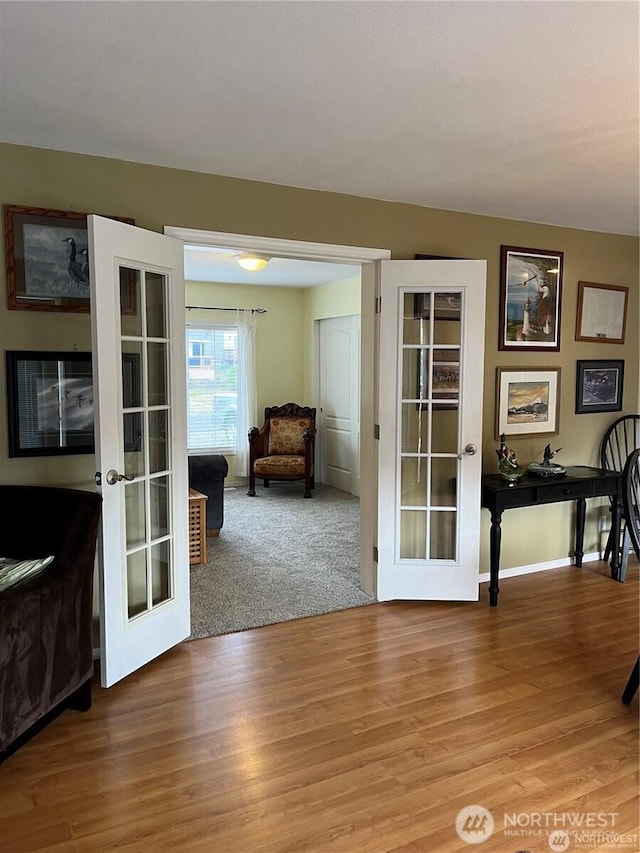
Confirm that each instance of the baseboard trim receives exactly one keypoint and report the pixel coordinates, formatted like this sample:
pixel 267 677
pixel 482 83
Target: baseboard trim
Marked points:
pixel 540 567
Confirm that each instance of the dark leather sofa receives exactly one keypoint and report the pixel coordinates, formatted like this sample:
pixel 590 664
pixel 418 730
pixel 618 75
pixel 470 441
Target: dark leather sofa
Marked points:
pixel 206 475
pixel 46 660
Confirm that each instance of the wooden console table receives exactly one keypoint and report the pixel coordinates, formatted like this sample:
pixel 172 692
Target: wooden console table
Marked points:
pixel 197 527
pixel 579 484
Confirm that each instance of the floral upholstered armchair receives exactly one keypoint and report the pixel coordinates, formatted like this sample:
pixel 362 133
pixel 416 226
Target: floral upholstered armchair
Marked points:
pixel 284 448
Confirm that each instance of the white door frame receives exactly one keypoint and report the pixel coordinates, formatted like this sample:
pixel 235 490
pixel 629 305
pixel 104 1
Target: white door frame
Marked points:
pixel 368 259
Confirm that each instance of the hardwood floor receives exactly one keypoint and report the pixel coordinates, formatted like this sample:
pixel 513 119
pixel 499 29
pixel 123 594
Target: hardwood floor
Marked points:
pixel 365 730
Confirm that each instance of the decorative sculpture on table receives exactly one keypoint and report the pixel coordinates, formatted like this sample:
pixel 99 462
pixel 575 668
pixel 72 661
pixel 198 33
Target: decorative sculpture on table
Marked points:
pixel 508 463
pixel 546 468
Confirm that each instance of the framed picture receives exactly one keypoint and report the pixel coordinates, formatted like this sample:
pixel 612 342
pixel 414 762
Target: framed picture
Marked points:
pixel 530 299
pixel 599 386
pixel 446 378
pixel 602 312
pixel 445 386
pixel 50 403
pixel 527 401
pixel 446 306
pixel 47 259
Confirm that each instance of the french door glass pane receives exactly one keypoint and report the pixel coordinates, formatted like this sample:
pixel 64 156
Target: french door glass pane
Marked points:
pixel 414 481
pixel 157 373
pixel 158 441
pixel 136 583
pixel 160 573
pixel 135 514
pixel 444 482
pixel 134 462
pixel 428 441
pixel 159 502
pixel 442 541
pixel 130 313
pixel 146 419
pixel 155 284
pixel 413 534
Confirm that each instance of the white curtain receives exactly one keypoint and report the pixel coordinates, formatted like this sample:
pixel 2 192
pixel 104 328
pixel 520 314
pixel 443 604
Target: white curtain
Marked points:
pixel 247 388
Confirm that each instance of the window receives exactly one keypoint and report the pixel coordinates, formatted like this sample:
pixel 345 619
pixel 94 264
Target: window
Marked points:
pixel 212 386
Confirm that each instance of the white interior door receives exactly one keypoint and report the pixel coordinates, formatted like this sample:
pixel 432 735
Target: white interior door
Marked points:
pixel 430 411
pixel 137 323
pixel 339 415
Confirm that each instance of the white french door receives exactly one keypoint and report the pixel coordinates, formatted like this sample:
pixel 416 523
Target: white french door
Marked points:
pixel 431 373
pixel 137 324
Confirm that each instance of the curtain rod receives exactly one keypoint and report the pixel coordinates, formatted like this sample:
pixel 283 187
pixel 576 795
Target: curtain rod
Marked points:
pixel 213 308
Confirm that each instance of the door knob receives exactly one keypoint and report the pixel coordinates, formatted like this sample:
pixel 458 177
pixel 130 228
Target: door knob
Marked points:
pixel 113 477
pixel 470 450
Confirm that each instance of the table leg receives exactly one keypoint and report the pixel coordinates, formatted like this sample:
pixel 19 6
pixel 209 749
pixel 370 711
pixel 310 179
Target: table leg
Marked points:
pixel 616 523
pixel 494 550
pixel 581 512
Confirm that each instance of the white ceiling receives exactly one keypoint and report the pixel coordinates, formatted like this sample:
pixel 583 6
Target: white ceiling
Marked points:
pixel 206 263
pixel 525 110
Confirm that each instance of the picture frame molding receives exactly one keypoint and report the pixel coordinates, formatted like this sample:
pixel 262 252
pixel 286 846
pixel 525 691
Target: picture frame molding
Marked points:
pixel 505 345
pixel 530 374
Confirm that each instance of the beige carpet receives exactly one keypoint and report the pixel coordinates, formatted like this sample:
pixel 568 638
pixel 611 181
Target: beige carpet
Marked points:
pixel 278 557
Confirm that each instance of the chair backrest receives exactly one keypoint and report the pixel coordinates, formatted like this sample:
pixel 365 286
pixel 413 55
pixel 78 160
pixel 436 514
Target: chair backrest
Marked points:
pixel 631 498
pixel 620 439
pixel 290 410
pixel 286 425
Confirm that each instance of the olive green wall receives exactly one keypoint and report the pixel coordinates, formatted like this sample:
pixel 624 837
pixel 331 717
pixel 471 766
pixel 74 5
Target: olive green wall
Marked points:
pixel 156 196
pixel 339 299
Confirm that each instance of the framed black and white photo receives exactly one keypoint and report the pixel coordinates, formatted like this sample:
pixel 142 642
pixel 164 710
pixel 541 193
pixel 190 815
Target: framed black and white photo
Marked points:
pixel 50 403
pixel 599 385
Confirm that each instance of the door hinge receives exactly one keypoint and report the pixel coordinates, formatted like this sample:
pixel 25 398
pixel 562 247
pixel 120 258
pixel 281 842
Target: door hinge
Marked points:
pixel 98 478
pixel 376 431
pixel 375 553
pixel 378 304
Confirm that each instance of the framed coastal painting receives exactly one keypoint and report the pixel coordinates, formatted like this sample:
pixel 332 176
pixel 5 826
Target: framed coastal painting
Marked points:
pixel 47 258
pixel 527 401
pixel 530 299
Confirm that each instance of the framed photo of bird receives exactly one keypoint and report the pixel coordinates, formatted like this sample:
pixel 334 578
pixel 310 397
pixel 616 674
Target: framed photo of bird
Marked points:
pixel 47 258
pixel 530 299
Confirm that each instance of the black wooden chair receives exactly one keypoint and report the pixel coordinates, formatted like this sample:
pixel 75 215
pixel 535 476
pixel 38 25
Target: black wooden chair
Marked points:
pixel 622 436
pixel 631 509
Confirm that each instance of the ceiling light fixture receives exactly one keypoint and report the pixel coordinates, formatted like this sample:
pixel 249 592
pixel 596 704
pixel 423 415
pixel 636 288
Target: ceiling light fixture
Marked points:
pixel 252 263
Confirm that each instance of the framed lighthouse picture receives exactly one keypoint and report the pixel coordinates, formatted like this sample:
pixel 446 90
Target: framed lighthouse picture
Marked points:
pixel 47 258
pixel 530 299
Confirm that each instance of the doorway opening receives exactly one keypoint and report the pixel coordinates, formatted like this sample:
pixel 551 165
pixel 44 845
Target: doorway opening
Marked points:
pixel 333 437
